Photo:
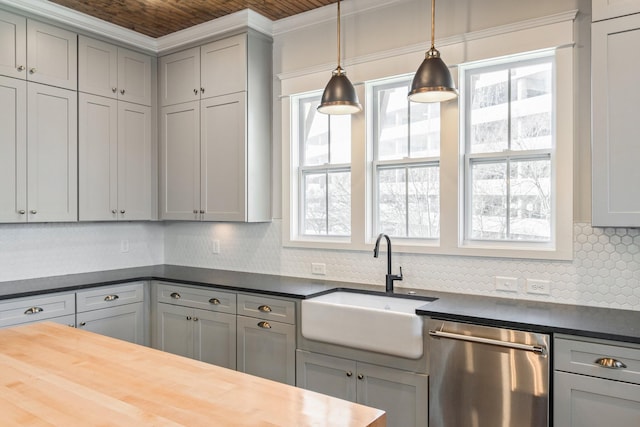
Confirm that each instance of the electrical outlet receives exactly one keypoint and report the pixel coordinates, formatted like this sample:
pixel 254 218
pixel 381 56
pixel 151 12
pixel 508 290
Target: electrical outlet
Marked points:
pixel 540 287
pixel 215 246
pixel 319 268
pixel 124 245
pixel 506 284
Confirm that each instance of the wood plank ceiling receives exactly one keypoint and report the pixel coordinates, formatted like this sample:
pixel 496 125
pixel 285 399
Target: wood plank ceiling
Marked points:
pixel 157 18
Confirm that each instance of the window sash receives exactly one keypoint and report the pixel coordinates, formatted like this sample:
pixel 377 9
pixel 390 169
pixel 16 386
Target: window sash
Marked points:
pixel 326 170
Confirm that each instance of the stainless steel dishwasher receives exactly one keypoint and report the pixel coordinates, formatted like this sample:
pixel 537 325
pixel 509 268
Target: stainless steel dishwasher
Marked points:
pixel 482 376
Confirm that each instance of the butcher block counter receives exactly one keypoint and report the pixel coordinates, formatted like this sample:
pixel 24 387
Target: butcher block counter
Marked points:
pixel 52 374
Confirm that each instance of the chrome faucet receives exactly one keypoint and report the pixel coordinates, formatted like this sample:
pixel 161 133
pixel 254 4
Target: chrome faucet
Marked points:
pixel 390 278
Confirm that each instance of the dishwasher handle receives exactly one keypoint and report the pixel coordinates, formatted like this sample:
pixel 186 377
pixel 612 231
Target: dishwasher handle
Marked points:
pixel 541 350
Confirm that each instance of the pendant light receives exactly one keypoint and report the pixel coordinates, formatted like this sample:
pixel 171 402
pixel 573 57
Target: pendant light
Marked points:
pixel 433 81
pixel 339 97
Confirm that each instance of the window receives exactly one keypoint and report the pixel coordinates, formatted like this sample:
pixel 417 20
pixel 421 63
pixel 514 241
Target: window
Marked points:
pixel 324 172
pixel 509 130
pixel 406 162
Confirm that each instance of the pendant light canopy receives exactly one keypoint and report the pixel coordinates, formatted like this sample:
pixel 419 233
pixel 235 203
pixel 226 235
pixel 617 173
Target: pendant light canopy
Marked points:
pixel 339 97
pixel 433 81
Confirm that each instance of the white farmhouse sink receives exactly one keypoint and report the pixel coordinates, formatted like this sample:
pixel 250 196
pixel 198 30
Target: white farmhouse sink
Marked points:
pixel 379 323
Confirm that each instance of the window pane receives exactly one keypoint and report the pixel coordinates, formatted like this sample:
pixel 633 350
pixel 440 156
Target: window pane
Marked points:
pixel 392 118
pixel 315 204
pixel 489 201
pixel 392 205
pixel 530 200
pixel 339 203
pixel 425 129
pixel 531 109
pixel 489 111
pixel 340 137
pixel 314 133
pixel 424 202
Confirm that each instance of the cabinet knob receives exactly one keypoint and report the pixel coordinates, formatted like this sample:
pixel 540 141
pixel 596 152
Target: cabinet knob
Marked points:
pixel 195 319
pixel 21 67
pixel 264 309
pixel 201 90
pixel 360 376
pixel 114 211
pixel 608 362
pixel 114 89
pixel 264 325
pixel 349 374
pixel 22 212
pixel 33 211
pixel 201 211
pixel 109 298
pixel 122 211
pixel 195 91
pixel 175 295
pixel 32 70
pixel 195 211
pixel 82 324
pixel 122 91
pixel 214 301
pixel 188 317
pixel 33 310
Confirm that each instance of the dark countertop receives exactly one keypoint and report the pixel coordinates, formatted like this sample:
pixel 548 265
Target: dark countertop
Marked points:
pixel 594 322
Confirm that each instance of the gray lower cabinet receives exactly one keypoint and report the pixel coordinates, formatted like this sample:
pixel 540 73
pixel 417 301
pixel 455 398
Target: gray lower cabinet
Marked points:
pixel 196 333
pixel 116 311
pixel 596 383
pixel 266 339
pixel 60 308
pixel 403 395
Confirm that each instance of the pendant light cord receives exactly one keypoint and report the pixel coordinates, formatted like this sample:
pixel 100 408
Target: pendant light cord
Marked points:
pixel 339 68
pixel 433 23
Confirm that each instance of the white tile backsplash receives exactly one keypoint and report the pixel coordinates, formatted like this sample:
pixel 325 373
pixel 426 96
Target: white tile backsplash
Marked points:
pixel 605 270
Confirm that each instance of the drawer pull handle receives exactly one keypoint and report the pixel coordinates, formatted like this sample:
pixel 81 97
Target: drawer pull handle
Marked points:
pixel 265 309
pixel 214 301
pixel 608 362
pixel 264 325
pixel 111 297
pixel 33 310
pixel 175 295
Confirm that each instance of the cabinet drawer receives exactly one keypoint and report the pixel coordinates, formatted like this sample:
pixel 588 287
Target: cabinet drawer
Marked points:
pixel 207 299
pixel 112 296
pixel 262 307
pixel 30 309
pixel 580 357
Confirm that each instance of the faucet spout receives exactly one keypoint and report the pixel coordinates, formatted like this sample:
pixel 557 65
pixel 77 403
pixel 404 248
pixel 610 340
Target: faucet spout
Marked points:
pixel 390 278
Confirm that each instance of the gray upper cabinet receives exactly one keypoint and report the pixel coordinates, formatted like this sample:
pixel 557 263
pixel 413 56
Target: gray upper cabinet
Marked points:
pixel 114 72
pixel 605 9
pixel 615 124
pixel 215 131
pixel 13 45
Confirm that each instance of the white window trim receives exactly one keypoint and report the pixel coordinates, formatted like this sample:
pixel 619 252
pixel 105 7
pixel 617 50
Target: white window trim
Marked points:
pixel 552 32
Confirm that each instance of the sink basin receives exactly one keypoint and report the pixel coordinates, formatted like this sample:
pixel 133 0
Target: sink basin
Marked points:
pixel 374 322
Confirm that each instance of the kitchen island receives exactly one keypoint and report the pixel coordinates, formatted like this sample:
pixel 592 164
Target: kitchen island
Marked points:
pixel 52 374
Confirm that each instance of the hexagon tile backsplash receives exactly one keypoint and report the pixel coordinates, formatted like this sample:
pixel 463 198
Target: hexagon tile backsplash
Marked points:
pixel 605 270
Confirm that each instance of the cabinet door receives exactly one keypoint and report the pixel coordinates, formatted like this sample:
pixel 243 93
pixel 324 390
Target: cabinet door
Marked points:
pixel 13 150
pixel 605 9
pixel 180 77
pixel 267 349
pixel 402 395
pixel 98 158
pixel 223 188
pixel 615 148
pixel 583 401
pixel 215 338
pixel 224 66
pixel 134 161
pixel 326 374
pixel 52 152
pixel 125 322
pixel 13 45
pixel 174 328
pixel 134 77
pixel 52 55
pixel 180 161
pixel 97 67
